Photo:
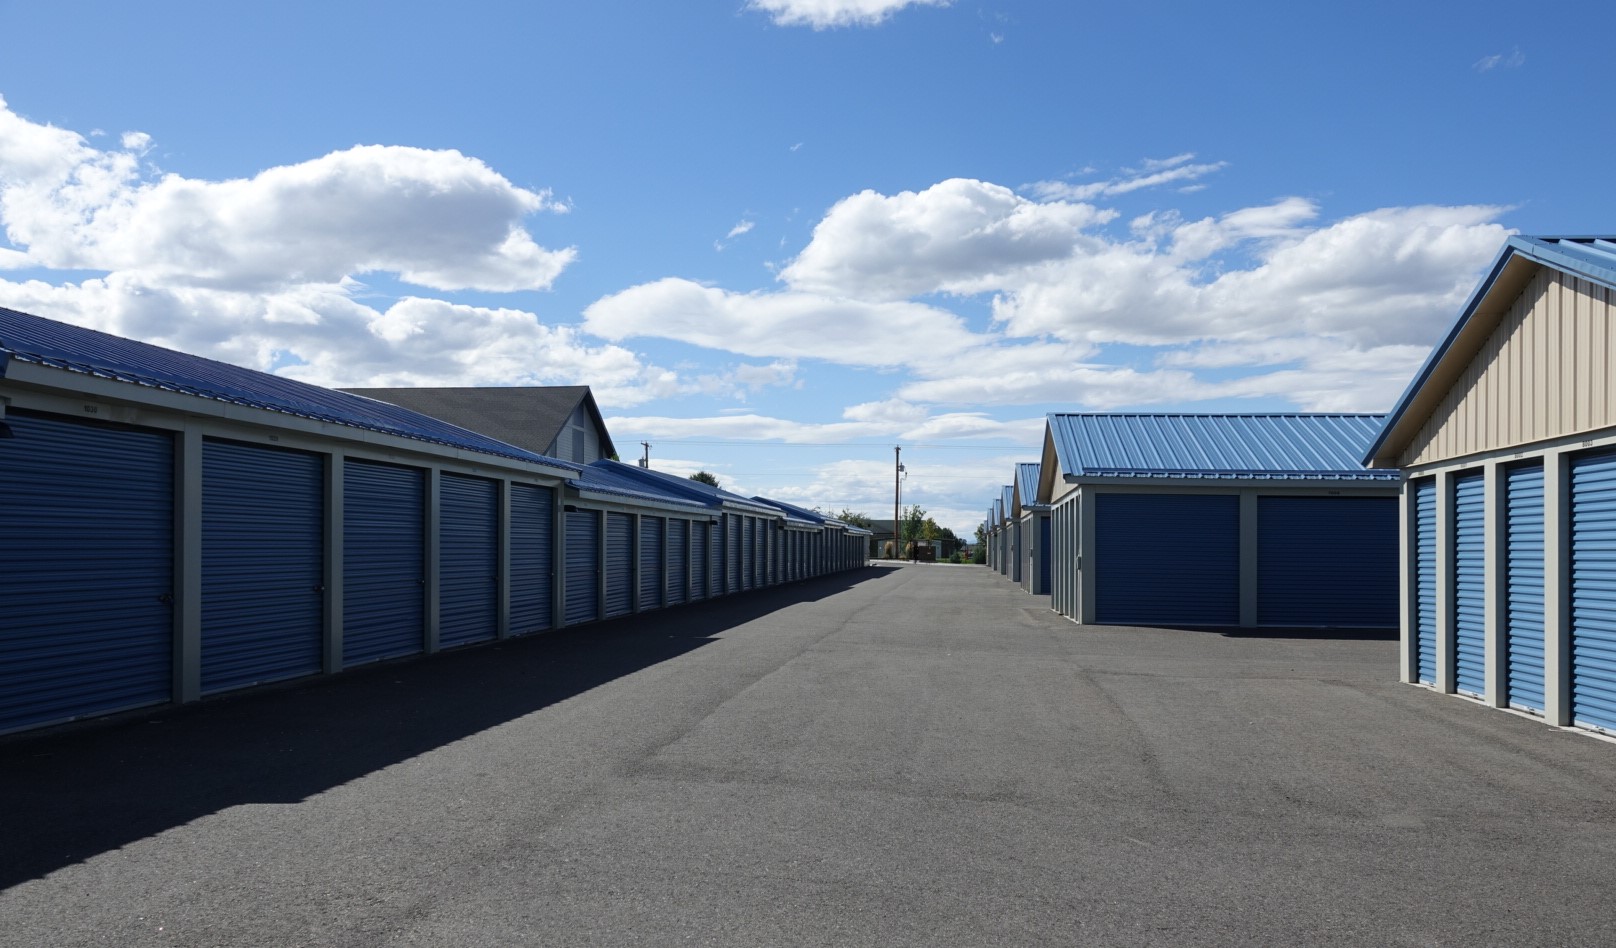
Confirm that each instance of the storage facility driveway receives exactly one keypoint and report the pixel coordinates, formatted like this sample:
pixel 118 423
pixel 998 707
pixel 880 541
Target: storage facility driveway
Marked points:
pixel 920 755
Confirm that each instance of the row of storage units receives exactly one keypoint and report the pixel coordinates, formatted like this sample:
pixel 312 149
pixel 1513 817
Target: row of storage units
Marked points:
pixel 1507 439
pixel 1207 520
pixel 181 528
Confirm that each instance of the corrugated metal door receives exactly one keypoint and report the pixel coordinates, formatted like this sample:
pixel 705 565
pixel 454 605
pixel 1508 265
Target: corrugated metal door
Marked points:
pixel 383 561
pixel 732 552
pixel 1167 558
pixel 532 557
pixel 748 552
pixel 1424 499
pixel 1017 542
pixel 583 566
pixel 1523 590
pixel 263 565
pixel 1593 591
pixel 1470 583
pixel 700 558
pixel 715 559
pixel 1044 555
pixel 468 559
pixel 87 570
pixel 1327 561
pixel 678 560
pixel 619 564
pixel 651 568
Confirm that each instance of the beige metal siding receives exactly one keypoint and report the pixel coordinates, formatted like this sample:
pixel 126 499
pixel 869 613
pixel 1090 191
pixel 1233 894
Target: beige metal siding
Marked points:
pixel 1545 372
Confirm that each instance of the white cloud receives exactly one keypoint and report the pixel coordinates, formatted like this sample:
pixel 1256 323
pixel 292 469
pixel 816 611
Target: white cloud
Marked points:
pixel 956 236
pixel 739 229
pixel 779 325
pixel 1154 173
pixel 261 272
pixel 1511 60
pixel 437 219
pixel 824 14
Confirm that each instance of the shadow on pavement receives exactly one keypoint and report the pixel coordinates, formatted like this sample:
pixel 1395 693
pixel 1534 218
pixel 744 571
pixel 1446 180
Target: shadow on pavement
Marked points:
pixel 74 792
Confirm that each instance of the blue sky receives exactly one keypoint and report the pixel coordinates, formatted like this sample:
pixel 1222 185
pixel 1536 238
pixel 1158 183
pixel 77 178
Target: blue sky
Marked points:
pixel 779 237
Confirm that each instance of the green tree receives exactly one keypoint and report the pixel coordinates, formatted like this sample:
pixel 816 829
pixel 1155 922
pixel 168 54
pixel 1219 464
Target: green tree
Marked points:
pixel 705 478
pixel 913 524
pixel 853 519
pixel 979 553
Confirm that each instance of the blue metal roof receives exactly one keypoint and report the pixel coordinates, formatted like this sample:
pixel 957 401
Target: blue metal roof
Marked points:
pixel 1027 482
pixel 1007 501
pixel 624 480
pixel 800 515
pixel 1592 258
pixel 40 341
pixel 1254 446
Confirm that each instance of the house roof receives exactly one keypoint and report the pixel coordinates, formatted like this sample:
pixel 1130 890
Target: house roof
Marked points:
pixel 1007 501
pixel 34 339
pixel 1591 258
pixel 1297 446
pixel 527 416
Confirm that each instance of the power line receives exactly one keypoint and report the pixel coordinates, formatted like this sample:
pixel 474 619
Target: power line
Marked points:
pixel 836 444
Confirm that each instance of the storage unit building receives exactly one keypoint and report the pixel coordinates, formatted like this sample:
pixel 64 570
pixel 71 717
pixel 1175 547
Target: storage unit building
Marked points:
pixel 1507 440
pixel 182 527
pixel 1219 520
pixel 1033 527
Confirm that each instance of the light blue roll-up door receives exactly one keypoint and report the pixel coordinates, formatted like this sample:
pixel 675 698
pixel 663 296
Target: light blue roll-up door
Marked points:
pixel 1327 561
pixel 263 565
pixel 651 569
pixel 748 552
pixel 468 559
pixel 1470 583
pixel 1167 559
pixel 1593 591
pixel 532 558
pixel 619 564
pixel 87 570
pixel 383 562
pixel 678 560
pixel 582 577
pixel 1523 579
pixel 1424 501
pixel 700 559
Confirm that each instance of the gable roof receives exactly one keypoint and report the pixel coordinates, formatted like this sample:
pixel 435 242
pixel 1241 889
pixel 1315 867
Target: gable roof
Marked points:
pixel 529 416
pixel 1027 476
pixel 1591 258
pixel 1278 446
pixel 608 476
pixel 46 342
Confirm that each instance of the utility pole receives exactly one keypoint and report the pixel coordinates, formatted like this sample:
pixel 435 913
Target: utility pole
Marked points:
pixel 897 472
pixel 645 462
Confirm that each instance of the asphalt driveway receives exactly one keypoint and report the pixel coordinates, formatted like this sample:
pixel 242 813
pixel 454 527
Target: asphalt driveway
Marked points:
pixel 917 755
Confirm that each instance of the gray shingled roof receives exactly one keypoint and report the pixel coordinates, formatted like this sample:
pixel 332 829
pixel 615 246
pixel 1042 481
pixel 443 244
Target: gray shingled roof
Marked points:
pixel 526 416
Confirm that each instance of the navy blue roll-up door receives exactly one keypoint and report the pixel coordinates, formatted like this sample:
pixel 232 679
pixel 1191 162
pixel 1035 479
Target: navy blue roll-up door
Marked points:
pixel 1167 558
pixel 583 566
pixel 383 561
pixel 532 557
pixel 678 561
pixel 1424 499
pixel 468 559
pixel 1593 591
pixel 619 564
pixel 1523 586
pixel 263 565
pixel 651 571
pixel 1327 561
pixel 715 559
pixel 1470 583
pixel 732 553
pixel 87 569
pixel 1045 555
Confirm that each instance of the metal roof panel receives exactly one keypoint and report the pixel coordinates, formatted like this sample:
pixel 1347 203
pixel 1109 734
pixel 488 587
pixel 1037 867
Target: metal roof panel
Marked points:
pixel 1286 446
